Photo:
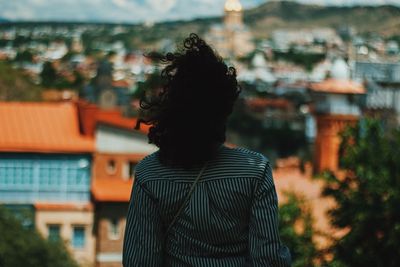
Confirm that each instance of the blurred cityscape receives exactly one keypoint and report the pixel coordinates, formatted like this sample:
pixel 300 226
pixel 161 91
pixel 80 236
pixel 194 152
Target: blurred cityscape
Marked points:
pixel 70 94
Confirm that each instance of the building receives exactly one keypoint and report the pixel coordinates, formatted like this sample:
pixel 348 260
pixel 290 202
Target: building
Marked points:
pixel 45 164
pixel 259 73
pixel 377 71
pixel 107 93
pixel 283 40
pixel 337 104
pixel 118 149
pixel 383 89
pixel 232 38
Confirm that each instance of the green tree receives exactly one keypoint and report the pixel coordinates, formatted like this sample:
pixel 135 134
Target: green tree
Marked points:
pixel 24 56
pixel 16 86
pixel 20 247
pixel 48 75
pixel 153 82
pixel 368 198
pixel 300 241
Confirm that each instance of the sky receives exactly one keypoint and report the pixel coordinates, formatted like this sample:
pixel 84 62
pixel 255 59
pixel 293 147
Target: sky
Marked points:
pixel 134 10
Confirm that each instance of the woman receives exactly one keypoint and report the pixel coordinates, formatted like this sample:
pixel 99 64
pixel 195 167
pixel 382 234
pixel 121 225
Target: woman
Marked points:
pixel 196 202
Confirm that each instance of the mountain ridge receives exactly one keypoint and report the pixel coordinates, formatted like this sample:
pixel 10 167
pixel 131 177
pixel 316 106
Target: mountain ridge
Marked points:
pixel 262 20
pixel 135 11
pixel 284 14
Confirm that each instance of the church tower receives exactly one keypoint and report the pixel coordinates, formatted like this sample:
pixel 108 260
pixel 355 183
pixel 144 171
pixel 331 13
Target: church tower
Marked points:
pixel 233 14
pixel 232 39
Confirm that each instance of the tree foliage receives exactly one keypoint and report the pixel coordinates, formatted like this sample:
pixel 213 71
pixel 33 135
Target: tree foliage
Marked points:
pixel 368 198
pixel 48 75
pixel 306 60
pixel 20 247
pixel 24 56
pixel 297 232
pixel 15 86
pixel 152 83
pixel 50 78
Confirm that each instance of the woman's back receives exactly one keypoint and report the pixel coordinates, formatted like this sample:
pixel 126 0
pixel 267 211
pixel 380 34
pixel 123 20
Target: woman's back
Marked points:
pixel 230 219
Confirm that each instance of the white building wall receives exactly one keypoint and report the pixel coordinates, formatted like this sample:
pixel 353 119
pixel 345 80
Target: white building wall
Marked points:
pixel 120 141
pixel 338 104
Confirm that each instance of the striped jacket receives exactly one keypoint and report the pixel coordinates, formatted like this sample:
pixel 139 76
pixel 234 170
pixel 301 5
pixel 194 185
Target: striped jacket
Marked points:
pixel 230 220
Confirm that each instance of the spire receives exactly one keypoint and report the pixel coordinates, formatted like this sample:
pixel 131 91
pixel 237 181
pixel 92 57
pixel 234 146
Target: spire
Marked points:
pixel 233 5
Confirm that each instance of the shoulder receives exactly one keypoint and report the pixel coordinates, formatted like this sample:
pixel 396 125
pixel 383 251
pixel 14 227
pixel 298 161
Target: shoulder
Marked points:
pixel 146 166
pixel 247 159
pixel 247 155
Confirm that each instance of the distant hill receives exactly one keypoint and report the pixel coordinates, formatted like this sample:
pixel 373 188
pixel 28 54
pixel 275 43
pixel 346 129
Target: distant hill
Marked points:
pixel 382 19
pixel 3 20
pixel 263 19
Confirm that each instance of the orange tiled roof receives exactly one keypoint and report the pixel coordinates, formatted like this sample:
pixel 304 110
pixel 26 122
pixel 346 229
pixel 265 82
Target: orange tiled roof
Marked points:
pixel 258 103
pixel 41 127
pixel 44 206
pixel 118 120
pixel 91 115
pixel 121 83
pixel 338 87
pixel 111 190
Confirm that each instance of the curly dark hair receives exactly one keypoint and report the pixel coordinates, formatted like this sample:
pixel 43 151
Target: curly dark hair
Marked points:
pixel 188 115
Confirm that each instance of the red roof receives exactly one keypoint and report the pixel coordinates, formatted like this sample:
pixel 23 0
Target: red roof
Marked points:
pixel 41 127
pixel 261 103
pixel 111 190
pixel 121 83
pixel 338 87
pixel 91 115
pixel 119 121
pixel 44 206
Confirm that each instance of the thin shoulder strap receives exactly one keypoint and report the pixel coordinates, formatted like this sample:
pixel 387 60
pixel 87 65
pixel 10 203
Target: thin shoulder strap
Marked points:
pixel 188 196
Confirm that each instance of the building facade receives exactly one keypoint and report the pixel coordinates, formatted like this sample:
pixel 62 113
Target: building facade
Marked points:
pixel 45 163
pixel 337 105
pixel 118 149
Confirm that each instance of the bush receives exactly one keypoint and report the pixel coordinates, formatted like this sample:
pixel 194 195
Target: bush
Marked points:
pixel 368 198
pixel 21 247
pixel 300 242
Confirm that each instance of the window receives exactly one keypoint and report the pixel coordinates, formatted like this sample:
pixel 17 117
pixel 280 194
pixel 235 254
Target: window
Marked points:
pixel 132 166
pixel 78 238
pixel 128 170
pixel 54 232
pixel 111 167
pixel 113 229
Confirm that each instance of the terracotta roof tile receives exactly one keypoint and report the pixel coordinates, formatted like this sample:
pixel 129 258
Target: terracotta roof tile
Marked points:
pixel 91 115
pixel 121 83
pixel 44 206
pixel 118 120
pixel 260 103
pixel 41 127
pixel 338 87
pixel 111 190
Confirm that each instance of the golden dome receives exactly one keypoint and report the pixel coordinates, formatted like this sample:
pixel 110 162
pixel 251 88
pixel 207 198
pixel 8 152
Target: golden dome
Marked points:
pixel 233 5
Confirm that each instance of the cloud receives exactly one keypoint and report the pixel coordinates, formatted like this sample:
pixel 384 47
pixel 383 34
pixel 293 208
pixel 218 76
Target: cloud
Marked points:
pixel 120 3
pixel 132 10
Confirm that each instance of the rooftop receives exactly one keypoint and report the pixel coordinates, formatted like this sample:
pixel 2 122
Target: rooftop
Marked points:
pixel 44 206
pixel 41 127
pixel 336 86
pixel 111 190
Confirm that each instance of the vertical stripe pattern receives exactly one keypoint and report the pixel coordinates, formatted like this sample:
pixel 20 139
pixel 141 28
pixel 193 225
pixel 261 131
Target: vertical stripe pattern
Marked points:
pixel 230 220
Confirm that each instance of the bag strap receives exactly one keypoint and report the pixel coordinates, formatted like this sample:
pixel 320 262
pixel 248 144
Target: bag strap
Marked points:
pixel 187 198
